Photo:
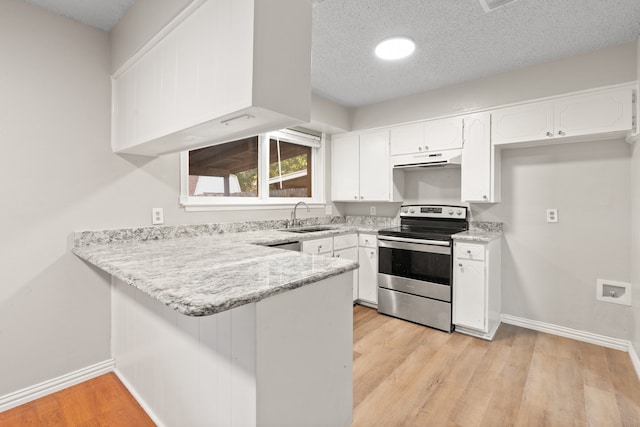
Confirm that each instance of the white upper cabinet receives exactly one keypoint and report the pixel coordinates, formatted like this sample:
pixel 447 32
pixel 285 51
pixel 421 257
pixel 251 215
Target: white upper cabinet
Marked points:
pixel 527 122
pixel 375 169
pixel 221 70
pixel 432 135
pixel 407 139
pixel 443 134
pixel 598 114
pixel 480 169
pixel 361 169
pixel 345 168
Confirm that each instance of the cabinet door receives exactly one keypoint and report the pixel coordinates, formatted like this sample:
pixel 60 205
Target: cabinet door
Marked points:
pixel 345 170
pixel 443 134
pixel 406 139
pixel 368 275
pixel 529 122
pixel 375 166
pixel 476 170
pixel 470 299
pixel 318 247
pixel 609 111
pixel 352 254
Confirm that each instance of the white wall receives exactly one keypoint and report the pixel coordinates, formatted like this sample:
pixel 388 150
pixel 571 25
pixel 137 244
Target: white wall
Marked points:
pixel 59 176
pixel 599 68
pixel 549 270
pixel 635 228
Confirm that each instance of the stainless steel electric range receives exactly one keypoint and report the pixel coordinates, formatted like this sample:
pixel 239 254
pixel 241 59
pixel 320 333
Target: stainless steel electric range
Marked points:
pixel 415 267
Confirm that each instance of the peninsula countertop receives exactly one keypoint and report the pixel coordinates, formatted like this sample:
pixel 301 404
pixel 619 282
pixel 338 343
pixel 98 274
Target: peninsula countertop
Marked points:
pixel 204 275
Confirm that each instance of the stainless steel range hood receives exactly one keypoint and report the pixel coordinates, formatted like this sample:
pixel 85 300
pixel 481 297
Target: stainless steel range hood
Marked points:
pixel 427 159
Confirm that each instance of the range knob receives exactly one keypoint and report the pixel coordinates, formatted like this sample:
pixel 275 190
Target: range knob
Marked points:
pixel 412 210
pixel 459 212
pixel 450 211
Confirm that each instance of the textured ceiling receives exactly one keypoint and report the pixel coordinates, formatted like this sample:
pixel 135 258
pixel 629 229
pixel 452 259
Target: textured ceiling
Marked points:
pixel 456 40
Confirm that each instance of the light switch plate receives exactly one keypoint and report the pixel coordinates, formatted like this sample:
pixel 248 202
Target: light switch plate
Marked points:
pixel 328 210
pixel 372 210
pixel 552 215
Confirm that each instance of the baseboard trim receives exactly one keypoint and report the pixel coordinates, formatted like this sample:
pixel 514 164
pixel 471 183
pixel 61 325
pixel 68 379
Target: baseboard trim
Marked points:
pixel 601 340
pixel 634 359
pixel 139 399
pixel 45 388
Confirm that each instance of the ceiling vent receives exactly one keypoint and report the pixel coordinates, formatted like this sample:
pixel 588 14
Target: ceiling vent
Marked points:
pixel 491 5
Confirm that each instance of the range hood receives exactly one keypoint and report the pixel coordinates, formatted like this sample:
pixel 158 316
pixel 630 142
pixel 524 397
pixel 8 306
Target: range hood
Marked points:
pixel 427 159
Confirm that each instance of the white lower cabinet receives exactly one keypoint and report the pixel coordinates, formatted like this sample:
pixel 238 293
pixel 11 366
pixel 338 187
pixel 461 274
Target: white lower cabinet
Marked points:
pixel 346 246
pixel 322 246
pixel 476 288
pixel 368 272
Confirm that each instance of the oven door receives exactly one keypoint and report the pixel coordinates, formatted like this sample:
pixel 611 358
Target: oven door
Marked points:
pixel 415 267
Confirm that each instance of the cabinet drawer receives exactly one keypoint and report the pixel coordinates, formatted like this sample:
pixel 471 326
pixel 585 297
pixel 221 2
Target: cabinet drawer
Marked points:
pixel 469 251
pixel 319 246
pixel 368 241
pixel 346 241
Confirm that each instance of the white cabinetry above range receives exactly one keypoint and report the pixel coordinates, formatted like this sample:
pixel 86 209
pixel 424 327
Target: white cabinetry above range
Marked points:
pixel 432 135
pixel 360 169
pixel 598 114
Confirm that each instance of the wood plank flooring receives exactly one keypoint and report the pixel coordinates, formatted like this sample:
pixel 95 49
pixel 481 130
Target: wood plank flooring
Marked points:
pixel 102 401
pixel 409 375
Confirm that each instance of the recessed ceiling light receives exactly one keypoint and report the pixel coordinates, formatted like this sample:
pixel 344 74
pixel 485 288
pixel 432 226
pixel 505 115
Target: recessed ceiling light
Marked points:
pixel 395 48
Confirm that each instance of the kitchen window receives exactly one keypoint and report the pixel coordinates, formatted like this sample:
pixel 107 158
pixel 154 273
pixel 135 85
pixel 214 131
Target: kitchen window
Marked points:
pixel 267 170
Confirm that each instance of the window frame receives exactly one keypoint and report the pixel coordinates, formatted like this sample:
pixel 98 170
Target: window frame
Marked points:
pixel 263 201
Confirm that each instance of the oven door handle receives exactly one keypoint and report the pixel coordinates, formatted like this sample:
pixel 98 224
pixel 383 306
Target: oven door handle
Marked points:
pixel 429 246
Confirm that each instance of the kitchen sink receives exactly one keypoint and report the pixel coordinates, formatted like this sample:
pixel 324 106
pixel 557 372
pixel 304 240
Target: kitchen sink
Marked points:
pixel 308 229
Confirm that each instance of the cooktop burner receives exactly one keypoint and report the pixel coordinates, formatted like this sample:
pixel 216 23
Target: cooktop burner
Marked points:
pixel 429 222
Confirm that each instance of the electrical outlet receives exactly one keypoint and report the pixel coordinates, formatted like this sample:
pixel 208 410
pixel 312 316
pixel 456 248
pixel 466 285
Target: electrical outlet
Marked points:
pixel 552 215
pixel 372 210
pixel 328 210
pixel 157 216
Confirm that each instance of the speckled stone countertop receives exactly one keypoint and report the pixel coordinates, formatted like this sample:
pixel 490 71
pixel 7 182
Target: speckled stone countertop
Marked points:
pixel 483 232
pixel 211 271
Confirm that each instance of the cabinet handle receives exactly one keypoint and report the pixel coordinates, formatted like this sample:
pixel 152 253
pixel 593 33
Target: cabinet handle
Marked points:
pixel 361 197
pixel 426 148
pixel 460 265
pixel 419 148
pixel 549 134
pixel 337 255
pixel 561 133
pixel 468 251
pixel 484 197
pixel 355 197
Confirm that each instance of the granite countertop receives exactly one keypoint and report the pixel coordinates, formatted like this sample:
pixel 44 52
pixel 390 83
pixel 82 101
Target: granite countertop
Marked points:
pixel 205 274
pixel 477 236
pixel 481 231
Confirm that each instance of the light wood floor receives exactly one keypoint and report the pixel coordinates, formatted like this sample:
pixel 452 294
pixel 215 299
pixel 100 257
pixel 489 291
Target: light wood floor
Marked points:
pixel 409 375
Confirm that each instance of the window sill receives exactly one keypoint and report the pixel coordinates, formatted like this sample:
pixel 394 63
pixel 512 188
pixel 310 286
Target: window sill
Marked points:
pixel 194 207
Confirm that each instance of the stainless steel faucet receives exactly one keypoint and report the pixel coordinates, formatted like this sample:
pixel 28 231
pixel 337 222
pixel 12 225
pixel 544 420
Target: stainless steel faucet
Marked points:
pixel 294 221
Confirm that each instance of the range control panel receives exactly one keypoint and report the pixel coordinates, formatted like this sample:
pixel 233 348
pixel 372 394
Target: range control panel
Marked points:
pixel 433 211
